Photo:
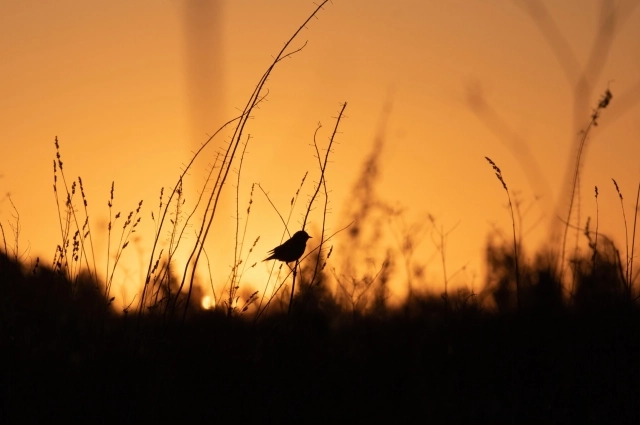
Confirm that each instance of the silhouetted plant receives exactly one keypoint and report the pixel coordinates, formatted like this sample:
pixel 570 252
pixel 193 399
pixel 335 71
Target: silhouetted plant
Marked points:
pixel 321 184
pixel 545 290
pixel 239 263
pixel 636 211
pixel 408 237
pixel 440 242
pixel 513 223
pixel 500 263
pixel 16 228
pixel 71 219
pixel 276 286
pixel 628 275
pixel 364 255
pixel 356 294
pixel 314 297
pixel 606 285
pixel 594 246
pixel 575 184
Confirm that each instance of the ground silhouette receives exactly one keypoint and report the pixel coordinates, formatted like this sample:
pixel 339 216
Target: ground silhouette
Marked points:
pixel 66 354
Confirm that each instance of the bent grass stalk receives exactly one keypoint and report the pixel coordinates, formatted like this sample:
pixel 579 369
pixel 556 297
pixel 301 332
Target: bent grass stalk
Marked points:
pixel 323 168
pixel 633 237
pixel 513 223
pixel 88 232
pixel 4 239
pixel 239 242
pixel 626 240
pixel 604 102
pixel 230 154
pixel 165 212
pixel 107 288
pixel 323 181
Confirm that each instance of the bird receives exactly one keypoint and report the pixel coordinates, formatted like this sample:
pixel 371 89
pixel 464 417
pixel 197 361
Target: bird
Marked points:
pixel 292 249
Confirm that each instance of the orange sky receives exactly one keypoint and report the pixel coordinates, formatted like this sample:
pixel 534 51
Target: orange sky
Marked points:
pixel 130 88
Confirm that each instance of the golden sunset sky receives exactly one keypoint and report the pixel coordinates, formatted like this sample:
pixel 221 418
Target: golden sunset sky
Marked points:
pixel 132 88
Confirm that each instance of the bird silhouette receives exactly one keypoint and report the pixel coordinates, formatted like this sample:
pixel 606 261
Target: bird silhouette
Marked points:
pixel 292 249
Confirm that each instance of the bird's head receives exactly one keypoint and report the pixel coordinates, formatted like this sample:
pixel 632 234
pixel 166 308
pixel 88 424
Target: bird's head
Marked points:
pixel 301 236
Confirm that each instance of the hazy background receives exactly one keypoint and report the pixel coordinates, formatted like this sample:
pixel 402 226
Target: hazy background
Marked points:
pixel 131 88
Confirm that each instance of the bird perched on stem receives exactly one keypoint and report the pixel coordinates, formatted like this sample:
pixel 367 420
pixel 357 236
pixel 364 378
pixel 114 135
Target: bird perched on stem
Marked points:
pixel 292 249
